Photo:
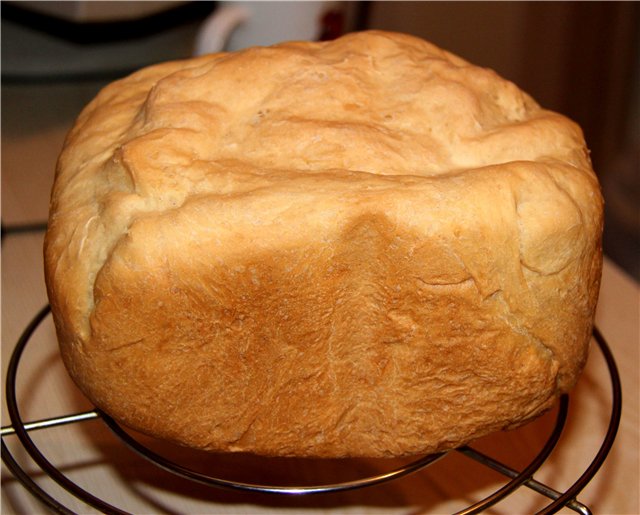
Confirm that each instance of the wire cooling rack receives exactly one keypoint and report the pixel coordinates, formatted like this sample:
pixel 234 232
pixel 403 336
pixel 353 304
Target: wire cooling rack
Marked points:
pixel 516 479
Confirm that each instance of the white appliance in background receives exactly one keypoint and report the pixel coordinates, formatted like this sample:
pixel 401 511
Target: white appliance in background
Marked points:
pixel 98 11
pixel 236 25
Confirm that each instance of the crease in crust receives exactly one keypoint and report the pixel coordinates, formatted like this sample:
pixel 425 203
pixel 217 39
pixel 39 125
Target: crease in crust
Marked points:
pixel 516 325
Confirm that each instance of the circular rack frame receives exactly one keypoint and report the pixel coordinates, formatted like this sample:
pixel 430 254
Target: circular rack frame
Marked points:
pixel 517 479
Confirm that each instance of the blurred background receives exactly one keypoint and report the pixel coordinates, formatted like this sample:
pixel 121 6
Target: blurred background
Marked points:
pixel 578 58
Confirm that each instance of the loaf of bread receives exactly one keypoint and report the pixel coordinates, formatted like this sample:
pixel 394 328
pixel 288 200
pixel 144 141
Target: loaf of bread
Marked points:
pixel 363 247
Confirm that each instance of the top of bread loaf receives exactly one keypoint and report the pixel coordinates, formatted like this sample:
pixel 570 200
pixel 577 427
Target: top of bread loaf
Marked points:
pixel 370 111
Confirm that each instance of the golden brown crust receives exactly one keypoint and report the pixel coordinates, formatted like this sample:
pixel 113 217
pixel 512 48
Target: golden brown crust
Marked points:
pixel 365 247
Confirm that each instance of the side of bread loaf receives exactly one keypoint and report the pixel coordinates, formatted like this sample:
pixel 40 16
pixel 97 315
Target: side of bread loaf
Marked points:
pixel 365 247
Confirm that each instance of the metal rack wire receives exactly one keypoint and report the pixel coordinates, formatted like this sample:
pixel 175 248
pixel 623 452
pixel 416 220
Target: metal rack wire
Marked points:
pixel 516 479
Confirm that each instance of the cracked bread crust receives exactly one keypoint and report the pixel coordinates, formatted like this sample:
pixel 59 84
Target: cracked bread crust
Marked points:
pixel 364 247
